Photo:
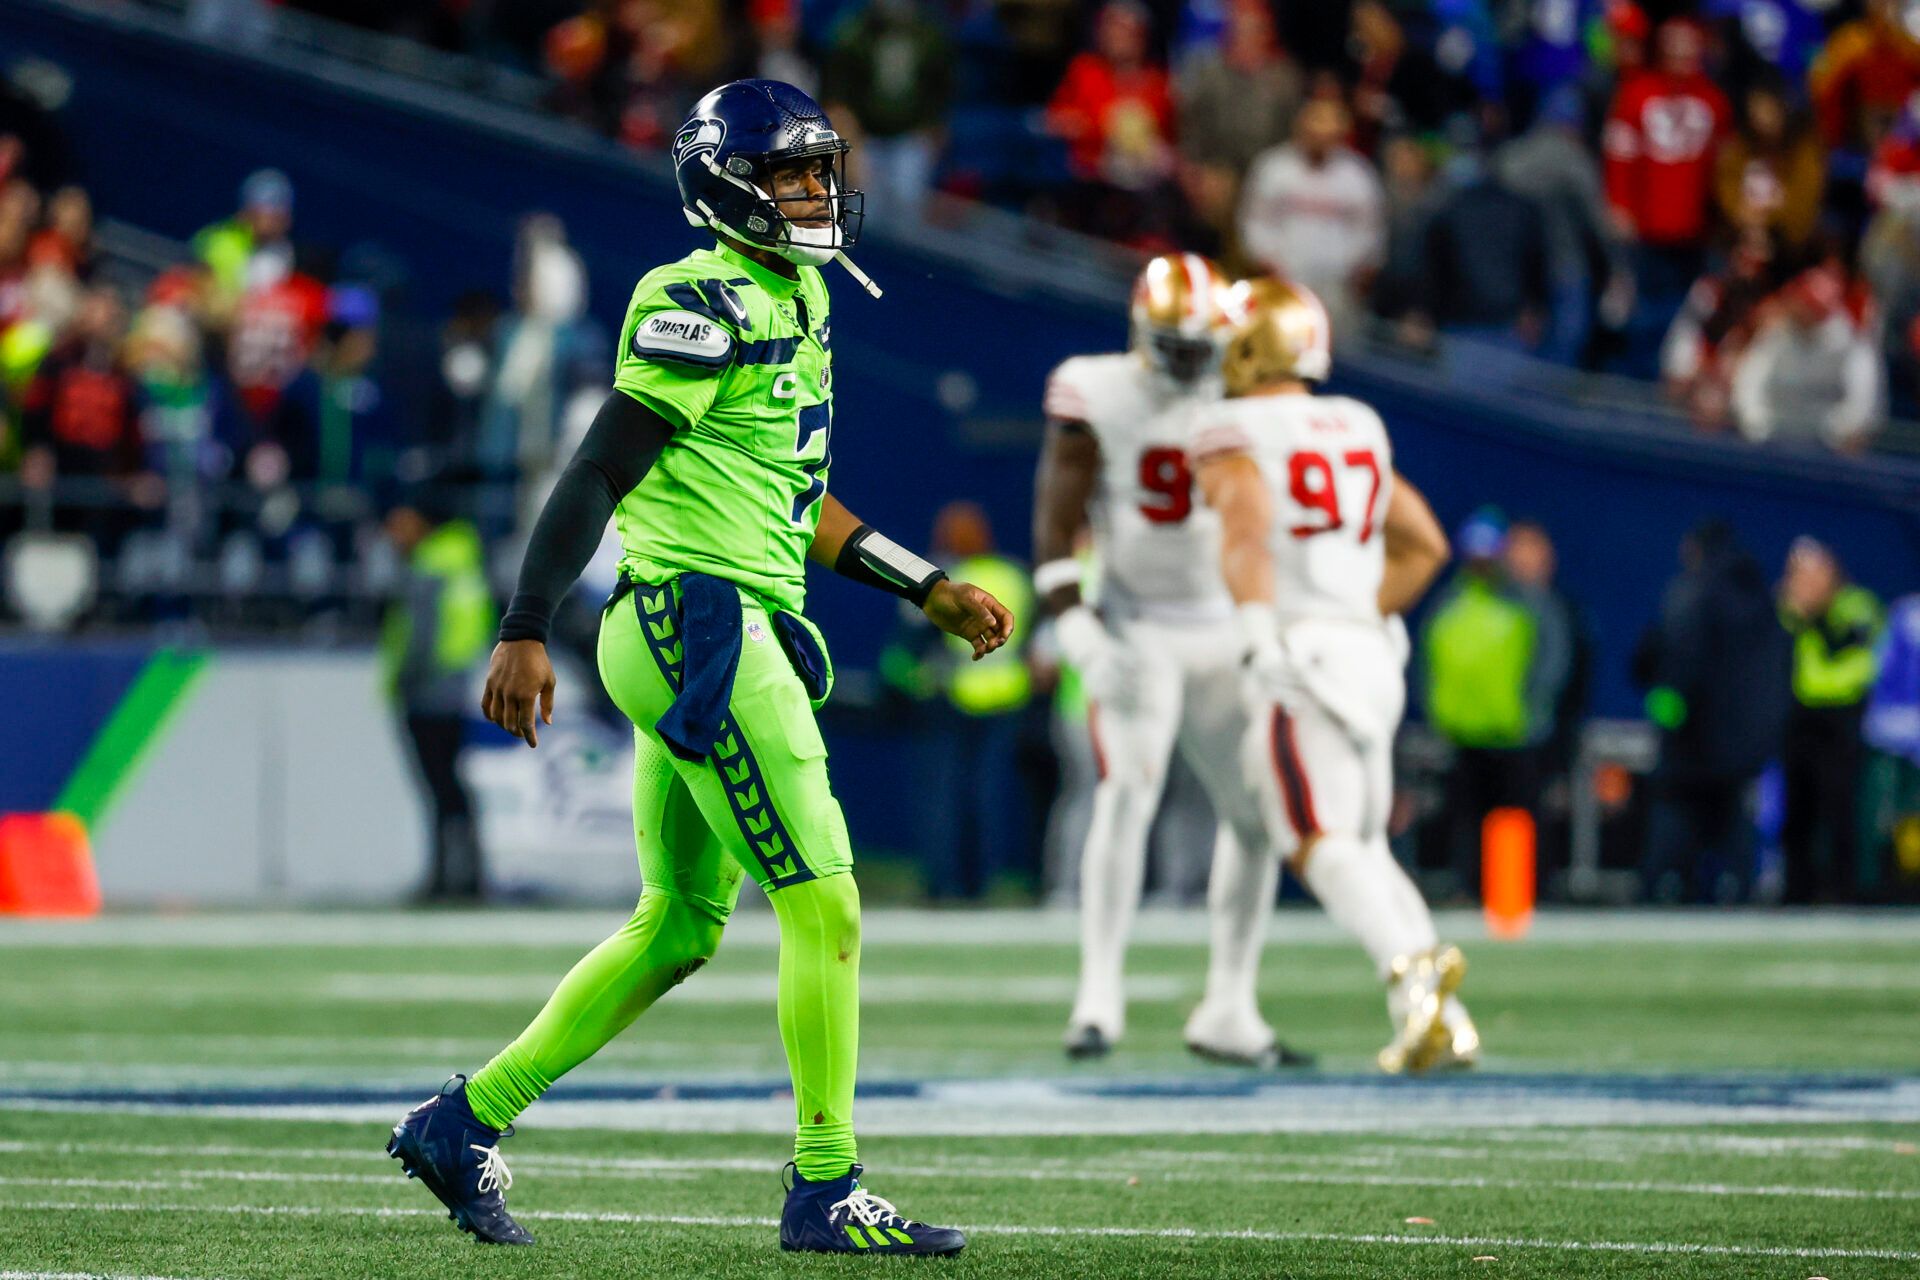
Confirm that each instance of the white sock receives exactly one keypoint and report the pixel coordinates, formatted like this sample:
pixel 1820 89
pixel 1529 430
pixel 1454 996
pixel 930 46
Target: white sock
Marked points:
pixel 1415 917
pixel 1111 870
pixel 1360 885
pixel 1239 903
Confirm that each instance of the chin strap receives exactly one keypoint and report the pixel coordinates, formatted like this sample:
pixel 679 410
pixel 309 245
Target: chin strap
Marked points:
pixel 865 280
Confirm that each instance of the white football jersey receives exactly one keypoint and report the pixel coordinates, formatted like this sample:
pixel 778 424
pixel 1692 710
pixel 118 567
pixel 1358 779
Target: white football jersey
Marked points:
pixel 1329 465
pixel 1157 544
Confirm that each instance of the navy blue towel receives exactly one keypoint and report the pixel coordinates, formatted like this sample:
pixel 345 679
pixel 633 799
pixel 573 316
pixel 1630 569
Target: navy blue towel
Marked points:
pixel 803 651
pixel 710 656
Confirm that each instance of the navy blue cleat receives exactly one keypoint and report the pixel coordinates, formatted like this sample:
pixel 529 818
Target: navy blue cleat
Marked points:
pixel 842 1217
pixel 443 1144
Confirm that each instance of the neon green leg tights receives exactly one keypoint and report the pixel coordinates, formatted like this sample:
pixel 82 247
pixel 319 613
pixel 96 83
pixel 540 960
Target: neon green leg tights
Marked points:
pixel 820 1017
pixel 616 982
pixel 666 940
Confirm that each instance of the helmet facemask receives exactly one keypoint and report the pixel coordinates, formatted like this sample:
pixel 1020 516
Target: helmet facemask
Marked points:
pixel 771 225
pixel 1183 357
pixel 1178 317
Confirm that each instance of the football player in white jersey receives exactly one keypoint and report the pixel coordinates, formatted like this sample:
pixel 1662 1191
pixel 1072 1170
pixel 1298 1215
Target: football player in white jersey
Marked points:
pixel 1159 660
pixel 1323 546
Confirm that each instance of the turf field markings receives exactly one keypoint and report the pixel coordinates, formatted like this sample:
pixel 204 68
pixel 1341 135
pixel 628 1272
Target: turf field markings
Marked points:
pixel 1834 976
pixel 1611 1145
pixel 738 988
pixel 1374 1155
pixel 672 1169
pixel 1638 1142
pixel 108 1184
pixel 755 926
pixel 996 1113
pixel 78 1275
pixel 191 1176
pixel 1151 1233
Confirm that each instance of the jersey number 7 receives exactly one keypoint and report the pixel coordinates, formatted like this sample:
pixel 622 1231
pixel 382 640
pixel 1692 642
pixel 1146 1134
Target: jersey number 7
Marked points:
pixel 1311 479
pixel 813 419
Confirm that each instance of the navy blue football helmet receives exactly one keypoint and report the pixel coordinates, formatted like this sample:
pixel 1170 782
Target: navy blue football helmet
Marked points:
pixel 723 156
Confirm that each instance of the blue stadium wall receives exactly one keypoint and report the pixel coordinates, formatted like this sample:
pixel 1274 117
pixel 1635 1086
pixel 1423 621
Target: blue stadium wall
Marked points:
pixel 163 131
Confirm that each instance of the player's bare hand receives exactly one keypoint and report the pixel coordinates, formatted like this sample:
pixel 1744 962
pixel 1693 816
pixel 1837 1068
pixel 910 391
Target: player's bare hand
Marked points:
pixel 519 690
pixel 964 610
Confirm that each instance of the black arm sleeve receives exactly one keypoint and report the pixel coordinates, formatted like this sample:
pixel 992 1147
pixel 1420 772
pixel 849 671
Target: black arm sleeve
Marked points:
pixel 621 445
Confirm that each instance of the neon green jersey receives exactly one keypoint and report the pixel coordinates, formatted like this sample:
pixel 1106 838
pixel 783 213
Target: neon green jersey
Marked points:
pixel 737 358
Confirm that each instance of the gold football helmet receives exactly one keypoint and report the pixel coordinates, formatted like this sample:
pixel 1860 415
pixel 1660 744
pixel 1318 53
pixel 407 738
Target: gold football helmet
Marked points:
pixel 1181 315
pixel 1281 333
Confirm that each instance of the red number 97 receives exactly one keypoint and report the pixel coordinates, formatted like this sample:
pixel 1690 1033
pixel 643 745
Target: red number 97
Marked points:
pixel 1164 474
pixel 1310 480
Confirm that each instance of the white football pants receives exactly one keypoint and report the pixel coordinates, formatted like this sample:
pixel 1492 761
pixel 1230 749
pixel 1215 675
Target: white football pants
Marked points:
pixel 1187 695
pixel 1318 756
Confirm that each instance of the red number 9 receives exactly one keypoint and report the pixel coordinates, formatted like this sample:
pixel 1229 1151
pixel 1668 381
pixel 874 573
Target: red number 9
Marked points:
pixel 1164 474
pixel 1310 479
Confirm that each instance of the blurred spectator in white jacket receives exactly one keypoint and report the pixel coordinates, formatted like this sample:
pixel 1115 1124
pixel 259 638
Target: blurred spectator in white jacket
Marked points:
pixel 1313 211
pixel 1813 370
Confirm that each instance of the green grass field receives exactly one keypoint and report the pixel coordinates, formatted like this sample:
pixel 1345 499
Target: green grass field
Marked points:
pixel 1675 1096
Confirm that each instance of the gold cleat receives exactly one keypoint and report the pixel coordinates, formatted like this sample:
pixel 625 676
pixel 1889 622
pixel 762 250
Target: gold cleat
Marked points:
pixel 1427 1038
pixel 1463 1038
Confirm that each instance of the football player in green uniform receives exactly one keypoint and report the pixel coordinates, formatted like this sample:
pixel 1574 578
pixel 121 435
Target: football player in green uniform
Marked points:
pixel 712 455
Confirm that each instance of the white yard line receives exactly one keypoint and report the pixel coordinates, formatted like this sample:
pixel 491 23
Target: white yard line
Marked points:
pixel 1117 1171
pixel 1005 1109
pixel 737 988
pixel 78 1275
pixel 115 1184
pixel 1612 1145
pixel 906 927
pixel 1152 1233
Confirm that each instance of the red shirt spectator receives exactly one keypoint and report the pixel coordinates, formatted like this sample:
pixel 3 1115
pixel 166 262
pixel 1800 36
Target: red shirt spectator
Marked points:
pixel 1661 136
pixel 1114 107
pixel 1863 77
pixel 82 405
pixel 273 334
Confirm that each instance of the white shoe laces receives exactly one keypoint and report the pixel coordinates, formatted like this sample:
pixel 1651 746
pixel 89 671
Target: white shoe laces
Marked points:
pixel 867 1209
pixel 494 1175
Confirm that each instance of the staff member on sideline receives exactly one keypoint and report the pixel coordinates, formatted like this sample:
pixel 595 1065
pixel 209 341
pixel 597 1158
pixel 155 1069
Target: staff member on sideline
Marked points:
pixel 438 627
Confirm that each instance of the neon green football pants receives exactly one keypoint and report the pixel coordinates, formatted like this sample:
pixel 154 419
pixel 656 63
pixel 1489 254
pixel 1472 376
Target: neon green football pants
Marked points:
pixel 760 806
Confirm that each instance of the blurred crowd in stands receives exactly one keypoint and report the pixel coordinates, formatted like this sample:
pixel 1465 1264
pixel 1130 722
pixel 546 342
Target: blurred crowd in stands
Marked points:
pixel 1723 199
pixel 222 408
pixel 225 428
pixel 1722 194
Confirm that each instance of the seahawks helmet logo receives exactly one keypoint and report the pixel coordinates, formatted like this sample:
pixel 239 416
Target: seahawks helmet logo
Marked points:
pixel 698 137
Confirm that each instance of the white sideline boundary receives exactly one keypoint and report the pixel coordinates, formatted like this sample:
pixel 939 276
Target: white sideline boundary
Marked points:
pixel 1148 1233
pixel 78 1275
pixel 1004 1107
pixel 1574 1144
pixel 579 1168
pixel 908 927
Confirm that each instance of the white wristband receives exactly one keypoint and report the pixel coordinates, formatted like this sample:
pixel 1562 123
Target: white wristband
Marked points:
pixel 1055 574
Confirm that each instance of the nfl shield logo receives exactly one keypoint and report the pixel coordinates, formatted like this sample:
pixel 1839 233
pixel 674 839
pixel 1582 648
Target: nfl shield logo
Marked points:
pixel 756 632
